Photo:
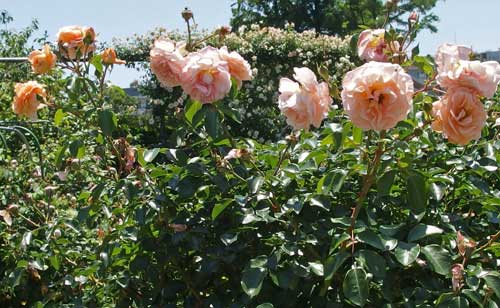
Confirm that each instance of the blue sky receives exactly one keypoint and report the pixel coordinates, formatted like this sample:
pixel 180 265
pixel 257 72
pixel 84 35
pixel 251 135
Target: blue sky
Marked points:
pixel 473 23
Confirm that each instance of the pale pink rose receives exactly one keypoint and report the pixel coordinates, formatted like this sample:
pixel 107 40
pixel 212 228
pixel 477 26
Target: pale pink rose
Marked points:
pixel 482 77
pixel 373 47
pixel 167 62
pixel 304 103
pixel 448 55
pixel 459 115
pixel 377 95
pixel 238 67
pixel 206 76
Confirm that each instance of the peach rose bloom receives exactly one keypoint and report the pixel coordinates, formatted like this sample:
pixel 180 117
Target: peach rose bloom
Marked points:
pixel 72 39
pixel 459 115
pixel 239 68
pixel 372 46
pixel 206 76
pixel 43 60
pixel 167 62
pixel 27 99
pixel 482 77
pixel 304 103
pixel 109 57
pixel 448 55
pixel 377 95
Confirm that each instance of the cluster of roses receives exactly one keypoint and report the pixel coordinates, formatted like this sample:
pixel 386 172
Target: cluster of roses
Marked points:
pixel 205 75
pixel 378 95
pixel 74 43
pixel 459 114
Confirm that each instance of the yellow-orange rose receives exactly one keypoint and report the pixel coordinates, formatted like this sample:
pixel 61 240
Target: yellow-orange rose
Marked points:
pixel 76 39
pixel 109 57
pixel 27 100
pixel 43 60
pixel 460 115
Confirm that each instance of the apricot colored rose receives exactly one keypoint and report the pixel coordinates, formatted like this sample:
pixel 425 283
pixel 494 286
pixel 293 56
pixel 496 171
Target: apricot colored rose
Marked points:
pixel 74 40
pixel 43 60
pixel 459 115
pixel 448 56
pixel 27 100
pixel 373 47
pixel 167 62
pixel 206 76
pixel 109 57
pixel 481 77
pixel 377 95
pixel 304 103
pixel 238 67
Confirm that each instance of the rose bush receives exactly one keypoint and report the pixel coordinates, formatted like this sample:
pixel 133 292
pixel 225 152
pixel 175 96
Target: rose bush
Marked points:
pixel 392 200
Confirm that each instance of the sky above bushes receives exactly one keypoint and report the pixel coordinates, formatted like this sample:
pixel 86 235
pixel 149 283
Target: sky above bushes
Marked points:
pixel 462 21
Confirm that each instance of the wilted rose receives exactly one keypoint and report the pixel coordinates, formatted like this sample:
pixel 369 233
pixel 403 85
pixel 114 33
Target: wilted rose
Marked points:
pixel 43 60
pixel 76 40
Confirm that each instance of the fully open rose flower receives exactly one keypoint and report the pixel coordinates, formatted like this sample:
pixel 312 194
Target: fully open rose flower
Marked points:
pixel 481 77
pixel 239 68
pixel 459 115
pixel 109 57
pixel 304 103
pixel 43 60
pixel 373 47
pixel 448 56
pixel 167 62
pixel 74 40
pixel 377 95
pixel 27 99
pixel 206 76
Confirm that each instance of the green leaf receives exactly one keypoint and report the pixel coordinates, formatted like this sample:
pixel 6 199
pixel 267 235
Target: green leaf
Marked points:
pixel 439 259
pixel 378 241
pixel 385 182
pixel 406 253
pixel 150 155
pixel 107 121
pixel 316 268
pixel 219 207
pixel 332 181
pixel 54 261
pixel 255 183
pixel 251 280
pixel 333 263
pixel 58 117
pixel 417 193
pixel 474 296
pixel 373 262
pixel 421 231
pixel 455 302
pixel 192 107
pixel 493 281
pixel 212 122
pixel 96 61
pixel 355 286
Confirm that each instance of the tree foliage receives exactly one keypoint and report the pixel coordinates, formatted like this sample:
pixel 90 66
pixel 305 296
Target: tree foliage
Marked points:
pixel 329 16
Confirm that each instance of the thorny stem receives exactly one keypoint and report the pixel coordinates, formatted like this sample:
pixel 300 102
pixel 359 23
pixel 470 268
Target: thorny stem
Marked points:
pixel 368 181
pixel 282 158
pixel 493 238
